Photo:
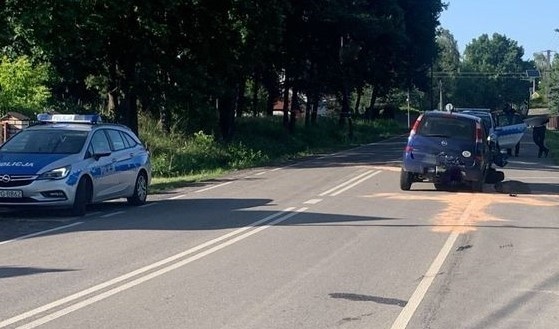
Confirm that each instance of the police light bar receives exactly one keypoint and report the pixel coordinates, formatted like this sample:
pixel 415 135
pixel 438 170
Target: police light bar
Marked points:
pixel 69 118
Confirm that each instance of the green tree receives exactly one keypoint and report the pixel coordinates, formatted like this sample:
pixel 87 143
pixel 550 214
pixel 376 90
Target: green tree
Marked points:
pixel 553 85
pixel 446 67
pixel 493 73
pixel 23 86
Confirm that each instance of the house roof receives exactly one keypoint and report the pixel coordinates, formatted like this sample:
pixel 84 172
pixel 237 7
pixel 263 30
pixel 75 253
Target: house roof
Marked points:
pixel 16 115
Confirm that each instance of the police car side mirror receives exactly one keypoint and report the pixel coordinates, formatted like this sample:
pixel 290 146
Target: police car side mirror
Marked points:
pixel 99 155
pixel 492 139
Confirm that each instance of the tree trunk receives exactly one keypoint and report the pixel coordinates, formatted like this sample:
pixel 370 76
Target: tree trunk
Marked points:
pixel 113 94
pixel 255 88
pixel 346 111
pixel 358 100
pixel 308 108
pixel 316 101
pixel 295 109
pixel 270 100
pixel 286 103
pixel 373 112
pixel 128 111
pixel 226 110
pixel 240 99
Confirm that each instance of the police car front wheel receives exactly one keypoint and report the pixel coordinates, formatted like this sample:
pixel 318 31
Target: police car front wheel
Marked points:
pixel 82 198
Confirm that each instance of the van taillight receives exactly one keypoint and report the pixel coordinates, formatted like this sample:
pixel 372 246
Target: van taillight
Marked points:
pixel 415 125
pixel 479 135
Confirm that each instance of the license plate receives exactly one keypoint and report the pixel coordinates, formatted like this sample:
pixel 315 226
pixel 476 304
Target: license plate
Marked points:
pixel 11 194
pixel 440 169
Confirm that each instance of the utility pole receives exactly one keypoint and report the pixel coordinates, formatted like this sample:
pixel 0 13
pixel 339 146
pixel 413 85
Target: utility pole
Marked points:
pixel 440 94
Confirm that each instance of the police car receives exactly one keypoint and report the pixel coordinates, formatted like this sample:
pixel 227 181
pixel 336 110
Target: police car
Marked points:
pixel 70 161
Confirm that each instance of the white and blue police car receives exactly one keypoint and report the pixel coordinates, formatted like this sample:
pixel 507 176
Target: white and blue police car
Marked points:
pixel 70 161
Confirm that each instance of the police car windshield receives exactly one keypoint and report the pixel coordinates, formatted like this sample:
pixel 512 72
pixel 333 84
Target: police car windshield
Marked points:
pixel 49 141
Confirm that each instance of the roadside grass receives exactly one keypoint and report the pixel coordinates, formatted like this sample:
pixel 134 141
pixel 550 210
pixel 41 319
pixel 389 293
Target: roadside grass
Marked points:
pixel 552 141
pixel 179 160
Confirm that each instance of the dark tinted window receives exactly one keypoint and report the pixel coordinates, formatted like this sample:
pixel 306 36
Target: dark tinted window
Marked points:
pixel 451 127
pixel 129 140
pixel 116 139
pixel 100 143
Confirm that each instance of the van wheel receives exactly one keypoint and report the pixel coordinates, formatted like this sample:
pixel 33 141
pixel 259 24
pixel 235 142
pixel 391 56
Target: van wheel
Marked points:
pixel 140 191
pixel 405 180
pixel 494 176
pixel 477 186
pixel 441 186
pixel 81 199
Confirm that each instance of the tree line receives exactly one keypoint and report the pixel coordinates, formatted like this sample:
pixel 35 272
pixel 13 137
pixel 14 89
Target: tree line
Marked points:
pixel 199 64
pixel 490 74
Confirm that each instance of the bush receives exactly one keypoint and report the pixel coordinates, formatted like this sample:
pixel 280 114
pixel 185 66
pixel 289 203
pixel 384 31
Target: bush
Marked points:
pixel 258 141
pixel 23 86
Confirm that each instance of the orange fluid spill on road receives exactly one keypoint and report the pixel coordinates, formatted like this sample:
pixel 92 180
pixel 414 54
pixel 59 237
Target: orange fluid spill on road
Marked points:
pixel 464 211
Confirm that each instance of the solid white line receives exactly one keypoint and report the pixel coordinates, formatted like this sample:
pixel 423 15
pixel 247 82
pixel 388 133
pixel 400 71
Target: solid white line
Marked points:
pixel 41 233
pixel 139 271
pixel 344 183
pixel 212 187
pixel 407 312
pixel 356 183
pixel 260 173
pixel 532 177
pixel 177 197
pixel 153 275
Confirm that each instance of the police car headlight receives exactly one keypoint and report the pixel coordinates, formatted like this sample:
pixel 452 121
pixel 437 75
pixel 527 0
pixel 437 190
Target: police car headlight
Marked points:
pixel 57 173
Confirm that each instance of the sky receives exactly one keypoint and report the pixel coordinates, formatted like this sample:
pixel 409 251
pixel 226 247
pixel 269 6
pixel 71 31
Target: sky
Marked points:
pixel 531 23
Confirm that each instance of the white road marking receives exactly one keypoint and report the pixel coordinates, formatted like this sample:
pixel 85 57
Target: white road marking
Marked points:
pixel 41 233
pixel 534 177
pixel 177 197
pixel 313 201
pixel 260 173
pixel 407 312
pixel 253 229
pixel 354 184
pixel 345 183
pixel 212 187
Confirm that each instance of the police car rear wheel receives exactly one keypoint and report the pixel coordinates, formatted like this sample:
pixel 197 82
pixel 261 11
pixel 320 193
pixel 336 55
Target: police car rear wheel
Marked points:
pixel 140 191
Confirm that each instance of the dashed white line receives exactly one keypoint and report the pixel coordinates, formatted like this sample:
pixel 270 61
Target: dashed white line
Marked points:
pixel 212 187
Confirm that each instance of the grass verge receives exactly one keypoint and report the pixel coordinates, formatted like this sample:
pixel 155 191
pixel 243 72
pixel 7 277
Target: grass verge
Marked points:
pixel 552 141
pixel 179 160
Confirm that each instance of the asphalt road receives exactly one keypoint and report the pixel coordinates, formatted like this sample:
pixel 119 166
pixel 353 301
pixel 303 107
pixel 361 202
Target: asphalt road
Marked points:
pixel 331 242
